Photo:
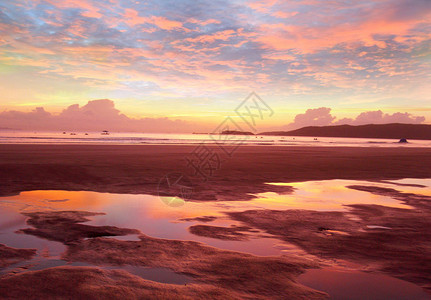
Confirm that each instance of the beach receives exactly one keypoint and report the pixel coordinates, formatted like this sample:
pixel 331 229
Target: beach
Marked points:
pixel 139 168
pixel 219 273
pixel 215 150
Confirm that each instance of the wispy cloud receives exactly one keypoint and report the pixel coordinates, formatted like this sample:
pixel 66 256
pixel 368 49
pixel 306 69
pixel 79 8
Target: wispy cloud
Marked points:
pixel 332 49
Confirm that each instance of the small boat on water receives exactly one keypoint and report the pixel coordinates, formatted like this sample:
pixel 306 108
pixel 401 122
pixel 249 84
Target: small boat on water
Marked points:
pixel 105 132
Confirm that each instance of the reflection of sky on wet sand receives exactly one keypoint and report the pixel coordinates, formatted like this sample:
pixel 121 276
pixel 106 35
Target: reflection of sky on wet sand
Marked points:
pixel 154 218
pixel 150 215
pixel 343 284
pixel 144 212
pixel 333 195
pixel 11 220
pixel 411 186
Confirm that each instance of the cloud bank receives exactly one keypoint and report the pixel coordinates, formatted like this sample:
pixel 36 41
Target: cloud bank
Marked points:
pixel 96 115
pixel 322 117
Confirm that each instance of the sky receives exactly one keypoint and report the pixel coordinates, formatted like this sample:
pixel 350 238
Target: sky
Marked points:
pixel 176 65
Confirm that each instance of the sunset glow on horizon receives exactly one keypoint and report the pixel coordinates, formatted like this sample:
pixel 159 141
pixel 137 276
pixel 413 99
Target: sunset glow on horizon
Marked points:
pixel 195 61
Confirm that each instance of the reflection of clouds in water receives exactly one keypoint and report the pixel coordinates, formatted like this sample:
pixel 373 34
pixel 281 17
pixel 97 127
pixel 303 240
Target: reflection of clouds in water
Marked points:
pixel 223 205
pixel 401 184
pixel 11 223
pixel 334 195
pixel 57 200
pixel 60 200
pixel 148 214
pixel 18 206
pixel 377 227
pixel 241 205
pixel 414 186
pixel 413 181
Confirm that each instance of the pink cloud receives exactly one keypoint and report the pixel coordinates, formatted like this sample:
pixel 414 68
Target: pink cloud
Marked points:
pixel 262 6
pixel 209 38
pixel 284 15
pixel 90 10
pixel 378 117
pixel 132 18
pixel 203 23
pixel 96 115
pixel 166 24
pixel 382 19
pixel 322 117
pixel 313 117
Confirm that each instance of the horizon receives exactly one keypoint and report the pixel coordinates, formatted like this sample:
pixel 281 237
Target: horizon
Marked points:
pixel 83 118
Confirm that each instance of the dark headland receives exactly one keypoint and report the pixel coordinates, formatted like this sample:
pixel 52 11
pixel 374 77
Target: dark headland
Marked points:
pixel 236 132
pixel 383 131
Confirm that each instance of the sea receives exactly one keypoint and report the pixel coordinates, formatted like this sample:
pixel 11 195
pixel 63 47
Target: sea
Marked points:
pixel 113 138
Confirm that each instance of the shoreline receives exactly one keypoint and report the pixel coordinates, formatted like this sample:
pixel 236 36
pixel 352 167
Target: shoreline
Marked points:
pixel 313 144
pixel 138 169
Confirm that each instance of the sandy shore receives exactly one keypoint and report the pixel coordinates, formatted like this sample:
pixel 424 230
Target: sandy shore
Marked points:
pixel 139 168
pixel 217 273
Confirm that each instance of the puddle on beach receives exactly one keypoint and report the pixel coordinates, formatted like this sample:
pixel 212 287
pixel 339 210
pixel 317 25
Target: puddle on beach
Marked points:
pixel 334 195
pixel 162 275
pixel 343 284
pixel 152 217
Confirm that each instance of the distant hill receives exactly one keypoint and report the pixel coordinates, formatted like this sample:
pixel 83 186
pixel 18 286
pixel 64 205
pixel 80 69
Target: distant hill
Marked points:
pixel 236 132
pixel 383 131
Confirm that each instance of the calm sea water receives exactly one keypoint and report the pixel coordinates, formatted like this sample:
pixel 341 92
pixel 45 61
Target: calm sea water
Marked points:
pixel 39 137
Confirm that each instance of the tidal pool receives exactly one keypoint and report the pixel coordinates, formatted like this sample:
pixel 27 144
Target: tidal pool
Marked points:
pixel 343 284
pixel 151 216
pixel 162 275
pixel 334 195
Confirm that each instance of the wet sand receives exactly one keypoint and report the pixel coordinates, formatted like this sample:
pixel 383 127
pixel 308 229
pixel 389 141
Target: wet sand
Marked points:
pixel 137 169
pixel 229 274
pixel 10 255
pixel 218 273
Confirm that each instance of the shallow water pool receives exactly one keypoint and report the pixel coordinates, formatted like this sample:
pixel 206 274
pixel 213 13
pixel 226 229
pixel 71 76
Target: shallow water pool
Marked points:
pixel 152 217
